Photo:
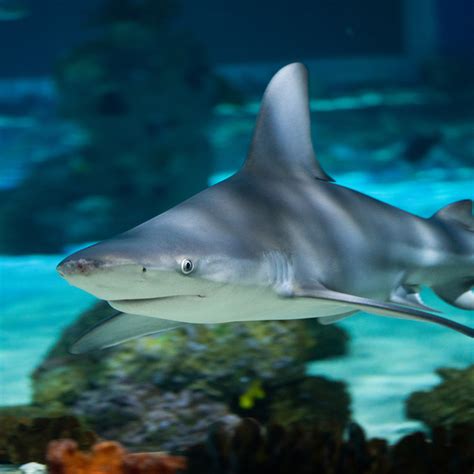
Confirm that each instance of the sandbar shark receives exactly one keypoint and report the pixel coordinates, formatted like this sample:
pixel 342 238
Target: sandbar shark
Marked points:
pixel 277 240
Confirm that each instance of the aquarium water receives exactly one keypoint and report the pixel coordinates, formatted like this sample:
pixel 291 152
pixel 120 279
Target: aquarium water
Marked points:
pixel 388 358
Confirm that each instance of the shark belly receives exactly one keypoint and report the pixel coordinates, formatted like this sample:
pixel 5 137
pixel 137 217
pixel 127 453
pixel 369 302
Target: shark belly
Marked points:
pixel 231 303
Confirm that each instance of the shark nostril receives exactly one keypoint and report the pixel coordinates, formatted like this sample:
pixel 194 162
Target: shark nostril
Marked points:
pixel 77 267
pixel 85 266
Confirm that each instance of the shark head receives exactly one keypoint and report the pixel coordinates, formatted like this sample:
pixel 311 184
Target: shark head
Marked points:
pixel 189 251
pixel 221 236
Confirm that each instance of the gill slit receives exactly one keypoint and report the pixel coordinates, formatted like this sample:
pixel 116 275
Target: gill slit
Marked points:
pixel 281 272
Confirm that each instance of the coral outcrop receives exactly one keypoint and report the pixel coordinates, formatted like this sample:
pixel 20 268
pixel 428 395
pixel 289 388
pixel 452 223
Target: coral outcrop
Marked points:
pixel 248 448
pixel 450 402
pixel 165 390
pixel 141 415
pixel 108 457
pixel 25 433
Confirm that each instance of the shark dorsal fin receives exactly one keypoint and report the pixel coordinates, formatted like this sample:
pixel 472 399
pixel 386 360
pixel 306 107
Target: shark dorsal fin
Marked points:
pixel 459 211
pixel 282 136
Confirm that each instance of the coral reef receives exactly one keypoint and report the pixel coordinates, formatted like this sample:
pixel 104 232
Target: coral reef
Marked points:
pixel 144 416
pixel 310 399
pixel 450 402
pixel 108 457
pixel 166 390
pixel 141 93
pixel 248 448
pixel 25 433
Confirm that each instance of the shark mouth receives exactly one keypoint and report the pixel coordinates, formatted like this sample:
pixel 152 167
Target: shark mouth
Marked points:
pixel 156 298
pixel 157 307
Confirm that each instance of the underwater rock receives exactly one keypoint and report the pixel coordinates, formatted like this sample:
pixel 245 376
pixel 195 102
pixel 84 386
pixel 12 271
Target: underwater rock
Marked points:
pixel 250 448
pixel 141 93
pixel 26 431
pixel 165 390
pixel 108 457
pixel 450 402
pixel 144 416
pixel 213 358
pixel 312 399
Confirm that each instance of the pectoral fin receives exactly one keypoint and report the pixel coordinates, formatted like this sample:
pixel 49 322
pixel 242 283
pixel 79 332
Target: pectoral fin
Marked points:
pixel 409 296
pixel 382 308
pixel 326 320
pixel 120 328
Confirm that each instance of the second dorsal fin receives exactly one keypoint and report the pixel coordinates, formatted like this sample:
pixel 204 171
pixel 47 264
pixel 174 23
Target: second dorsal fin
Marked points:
pixel 459 212
pixel 282 137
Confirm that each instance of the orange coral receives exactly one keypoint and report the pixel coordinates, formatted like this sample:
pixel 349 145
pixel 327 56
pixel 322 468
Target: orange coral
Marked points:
pixel 153 463
pixel 108 457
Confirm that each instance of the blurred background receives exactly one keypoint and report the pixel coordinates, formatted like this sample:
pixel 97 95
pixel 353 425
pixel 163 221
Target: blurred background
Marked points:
pixel 113 111
pixel 106 104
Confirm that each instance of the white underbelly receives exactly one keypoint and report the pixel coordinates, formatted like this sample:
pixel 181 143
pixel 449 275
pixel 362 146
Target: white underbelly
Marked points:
pixel 231 303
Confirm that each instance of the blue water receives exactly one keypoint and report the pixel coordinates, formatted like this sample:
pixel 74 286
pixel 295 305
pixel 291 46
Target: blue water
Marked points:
pixel 35 305
pixel 389 358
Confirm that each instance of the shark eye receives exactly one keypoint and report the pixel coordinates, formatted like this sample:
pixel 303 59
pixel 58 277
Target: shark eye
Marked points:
pixel 187 266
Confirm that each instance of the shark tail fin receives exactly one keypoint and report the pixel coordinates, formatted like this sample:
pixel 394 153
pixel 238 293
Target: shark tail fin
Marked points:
pixel 459 212
pixel 459 292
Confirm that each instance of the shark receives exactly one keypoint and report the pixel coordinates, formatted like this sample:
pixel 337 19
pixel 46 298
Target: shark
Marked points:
pixel 280 239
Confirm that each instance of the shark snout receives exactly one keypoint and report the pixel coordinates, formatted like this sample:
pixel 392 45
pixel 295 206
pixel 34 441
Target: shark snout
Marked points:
pixel 104 277
pixel 102 256
pixel 77 266
pixel 84 262
pixel 110 270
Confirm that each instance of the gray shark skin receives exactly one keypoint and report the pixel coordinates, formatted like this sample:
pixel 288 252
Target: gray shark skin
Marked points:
pixel 278 240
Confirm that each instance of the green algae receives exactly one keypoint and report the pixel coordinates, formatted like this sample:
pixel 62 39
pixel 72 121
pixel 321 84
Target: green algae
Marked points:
pixel 201 373
pixel 451 402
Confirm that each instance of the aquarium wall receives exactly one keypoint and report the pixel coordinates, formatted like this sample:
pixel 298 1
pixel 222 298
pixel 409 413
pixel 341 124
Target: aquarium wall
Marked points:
pixel 274 32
